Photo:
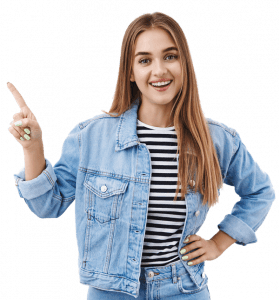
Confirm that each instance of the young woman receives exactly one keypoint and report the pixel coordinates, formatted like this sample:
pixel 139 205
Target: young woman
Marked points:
pixel 145 174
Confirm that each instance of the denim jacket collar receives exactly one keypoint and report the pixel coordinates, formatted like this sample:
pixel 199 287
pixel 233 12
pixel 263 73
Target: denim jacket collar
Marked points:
pixel 126 135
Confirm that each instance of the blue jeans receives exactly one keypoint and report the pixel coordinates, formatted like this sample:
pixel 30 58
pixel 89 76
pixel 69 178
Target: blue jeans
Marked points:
pixel 172 282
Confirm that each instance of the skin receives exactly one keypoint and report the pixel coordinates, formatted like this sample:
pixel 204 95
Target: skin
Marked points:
pixel 156 106
pixel 208 250
pixel 29 121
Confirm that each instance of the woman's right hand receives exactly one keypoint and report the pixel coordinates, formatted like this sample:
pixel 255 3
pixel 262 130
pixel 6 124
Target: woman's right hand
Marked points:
pixel 32 136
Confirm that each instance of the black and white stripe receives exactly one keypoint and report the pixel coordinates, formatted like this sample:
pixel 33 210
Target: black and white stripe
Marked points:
pixel 165 218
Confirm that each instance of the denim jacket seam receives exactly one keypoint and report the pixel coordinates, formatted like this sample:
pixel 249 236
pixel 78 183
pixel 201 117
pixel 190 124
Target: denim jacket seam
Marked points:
pixel 79 145
pixel 91 120
pixel 236 145
pixel 79 141
pixel 227 129
pixel 54 195
pixel 47 174
pixel 18 179
pixel 112 175
pixel 235 148
pixel 61 199
pixel 132 216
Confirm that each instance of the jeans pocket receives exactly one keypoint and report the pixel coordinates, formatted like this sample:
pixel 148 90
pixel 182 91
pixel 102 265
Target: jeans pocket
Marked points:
pixel 186 284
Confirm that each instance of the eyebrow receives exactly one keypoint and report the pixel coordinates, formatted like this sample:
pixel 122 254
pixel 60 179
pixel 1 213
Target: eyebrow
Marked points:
pixel 165 50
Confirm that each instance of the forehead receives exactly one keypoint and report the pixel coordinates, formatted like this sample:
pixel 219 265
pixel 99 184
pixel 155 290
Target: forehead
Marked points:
pixel 153 38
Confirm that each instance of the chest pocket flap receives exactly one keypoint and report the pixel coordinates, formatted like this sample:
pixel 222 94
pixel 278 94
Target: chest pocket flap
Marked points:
pixel 104 196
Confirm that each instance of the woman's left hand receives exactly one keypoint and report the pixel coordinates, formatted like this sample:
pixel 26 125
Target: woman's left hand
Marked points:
pixel 205 250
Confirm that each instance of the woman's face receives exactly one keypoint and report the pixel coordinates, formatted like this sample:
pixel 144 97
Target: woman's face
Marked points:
pixel 155 64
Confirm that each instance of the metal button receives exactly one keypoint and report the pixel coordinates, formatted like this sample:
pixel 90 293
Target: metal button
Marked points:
pixel 103 188
pixel 178 278
pixel 16 183
pixel 150 274
pixel 192 182
pixel 197 213
pixel 203 275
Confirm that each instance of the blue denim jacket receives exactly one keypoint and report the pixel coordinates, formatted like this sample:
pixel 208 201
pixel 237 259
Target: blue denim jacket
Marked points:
pixel 105 168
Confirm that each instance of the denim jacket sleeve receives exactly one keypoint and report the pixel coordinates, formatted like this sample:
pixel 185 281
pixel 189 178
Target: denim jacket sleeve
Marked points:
pixel 256 195
pixel 52 192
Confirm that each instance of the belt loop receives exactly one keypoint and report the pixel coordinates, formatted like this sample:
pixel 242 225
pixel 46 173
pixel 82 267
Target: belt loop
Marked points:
pixel 174 278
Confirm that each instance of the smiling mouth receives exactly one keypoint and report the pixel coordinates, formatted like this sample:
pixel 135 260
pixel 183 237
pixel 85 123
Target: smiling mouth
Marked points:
pixel 160 86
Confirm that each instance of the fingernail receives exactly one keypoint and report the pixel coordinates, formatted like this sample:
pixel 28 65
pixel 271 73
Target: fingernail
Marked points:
pixel 185 241
pixel 18 123
pixel 184 257
pixel 189 263
pixel 182 251
pixel 22 138
pixel 27 130
pixel 27 137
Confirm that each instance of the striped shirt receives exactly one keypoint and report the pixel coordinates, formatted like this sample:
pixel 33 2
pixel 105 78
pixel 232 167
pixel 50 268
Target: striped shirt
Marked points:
pixel 165 219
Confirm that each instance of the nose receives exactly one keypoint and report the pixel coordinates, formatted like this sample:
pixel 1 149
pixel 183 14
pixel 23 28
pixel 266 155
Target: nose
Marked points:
pixel 159 68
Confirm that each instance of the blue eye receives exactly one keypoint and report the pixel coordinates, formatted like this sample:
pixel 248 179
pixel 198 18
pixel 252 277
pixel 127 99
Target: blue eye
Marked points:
pixel 174 56
pixel 171 55
pixel 142 60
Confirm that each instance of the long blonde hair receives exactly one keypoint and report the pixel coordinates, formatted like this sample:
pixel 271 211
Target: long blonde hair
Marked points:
pixel 197 154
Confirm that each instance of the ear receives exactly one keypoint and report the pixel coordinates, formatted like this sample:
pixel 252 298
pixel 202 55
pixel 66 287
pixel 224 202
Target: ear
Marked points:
pixel 132 78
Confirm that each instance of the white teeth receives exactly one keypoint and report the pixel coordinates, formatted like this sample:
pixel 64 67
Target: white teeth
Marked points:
pixel 160 83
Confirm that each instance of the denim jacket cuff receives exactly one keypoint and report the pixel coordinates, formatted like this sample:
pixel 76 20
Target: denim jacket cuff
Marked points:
pixel 38 186
pixel 238 230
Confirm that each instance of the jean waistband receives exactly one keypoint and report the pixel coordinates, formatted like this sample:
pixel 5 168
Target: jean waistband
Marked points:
pixel 166 272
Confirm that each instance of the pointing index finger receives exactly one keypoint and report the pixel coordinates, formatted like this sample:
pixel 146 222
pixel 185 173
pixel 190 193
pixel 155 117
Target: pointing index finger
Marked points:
pixel 20 101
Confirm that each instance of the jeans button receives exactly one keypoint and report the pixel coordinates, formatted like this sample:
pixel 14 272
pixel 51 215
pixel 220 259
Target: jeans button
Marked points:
pixel 203 275
pixel 150 274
